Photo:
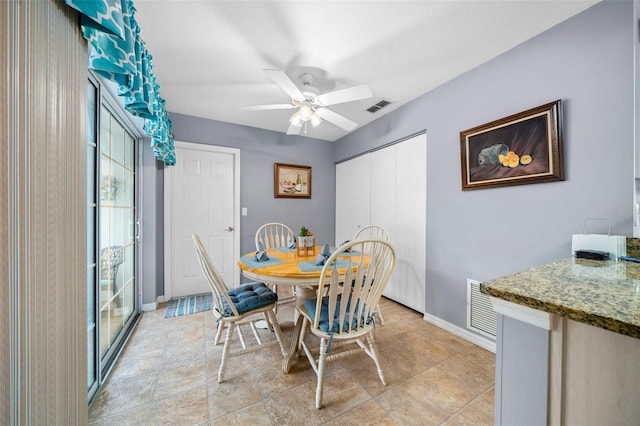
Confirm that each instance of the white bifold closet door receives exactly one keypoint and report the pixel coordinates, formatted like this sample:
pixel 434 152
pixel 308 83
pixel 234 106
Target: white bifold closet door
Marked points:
pixel 353 196
pixel 394 180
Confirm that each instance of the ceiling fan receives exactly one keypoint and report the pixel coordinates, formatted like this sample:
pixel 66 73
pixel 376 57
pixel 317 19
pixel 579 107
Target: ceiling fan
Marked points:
pixel 310 104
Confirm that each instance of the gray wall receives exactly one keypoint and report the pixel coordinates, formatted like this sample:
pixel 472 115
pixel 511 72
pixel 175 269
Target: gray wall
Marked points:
pixel 152 232
pixel 260 149
pixel 483 234
pixel 587 62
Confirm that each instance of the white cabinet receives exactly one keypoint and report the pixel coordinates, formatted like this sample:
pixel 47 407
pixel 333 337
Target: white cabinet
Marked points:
pixel 387 187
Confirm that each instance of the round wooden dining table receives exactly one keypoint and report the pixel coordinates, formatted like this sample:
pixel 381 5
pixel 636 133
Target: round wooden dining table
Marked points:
pixel 286 267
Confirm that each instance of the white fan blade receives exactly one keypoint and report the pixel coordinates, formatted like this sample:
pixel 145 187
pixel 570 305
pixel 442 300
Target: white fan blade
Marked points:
pixel 293 129
pixel 265 107
pixel 337 119
pixel 344 95
pixel 281 79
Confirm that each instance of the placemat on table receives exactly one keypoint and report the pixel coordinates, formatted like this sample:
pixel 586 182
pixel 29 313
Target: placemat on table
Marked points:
pixel 285 249
pixel 252 263
pixel 311 266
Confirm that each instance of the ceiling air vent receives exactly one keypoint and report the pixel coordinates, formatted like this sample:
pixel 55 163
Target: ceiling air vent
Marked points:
pixel 377 107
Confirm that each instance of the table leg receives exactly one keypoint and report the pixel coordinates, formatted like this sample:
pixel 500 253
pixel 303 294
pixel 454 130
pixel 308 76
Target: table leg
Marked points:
pixel 286 314
pixel 292 355
pixel 302 294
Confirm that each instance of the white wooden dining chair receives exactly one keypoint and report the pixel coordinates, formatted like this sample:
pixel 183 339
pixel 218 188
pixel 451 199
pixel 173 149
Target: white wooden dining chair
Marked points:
pixel 341 316
pixel 374 231
pixel 273 235
pixel 238 307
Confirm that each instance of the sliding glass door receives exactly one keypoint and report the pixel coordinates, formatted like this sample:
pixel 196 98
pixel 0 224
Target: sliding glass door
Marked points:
pixel 93 372
pixel 117 230
pixel 112 237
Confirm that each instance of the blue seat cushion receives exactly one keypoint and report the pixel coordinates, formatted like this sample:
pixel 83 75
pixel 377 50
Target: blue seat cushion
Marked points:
pixel 251 296
pixel 323 324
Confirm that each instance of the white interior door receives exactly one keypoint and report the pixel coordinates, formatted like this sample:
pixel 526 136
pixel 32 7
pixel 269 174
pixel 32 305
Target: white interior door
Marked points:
pixel 353 195
pixel 201 197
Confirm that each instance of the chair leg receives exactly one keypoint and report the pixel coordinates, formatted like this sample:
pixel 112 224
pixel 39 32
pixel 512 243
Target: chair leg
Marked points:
pixel 303 333
pixel 225 351
pixel 275 290
pixel 271 318
pixel 220 326
pixel 252 325
pixel 379 313
pixel 374 355
pixel 321 362
pixel 268 321
pixel 241 337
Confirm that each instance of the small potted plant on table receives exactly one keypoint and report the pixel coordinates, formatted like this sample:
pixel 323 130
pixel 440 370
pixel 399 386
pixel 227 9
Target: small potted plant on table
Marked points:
pixel 306 242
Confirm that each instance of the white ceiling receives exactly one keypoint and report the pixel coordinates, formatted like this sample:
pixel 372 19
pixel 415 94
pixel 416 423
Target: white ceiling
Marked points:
pixel 209 55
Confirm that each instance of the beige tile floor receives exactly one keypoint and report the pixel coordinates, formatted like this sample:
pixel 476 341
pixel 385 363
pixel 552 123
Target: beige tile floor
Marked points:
pixel 167 374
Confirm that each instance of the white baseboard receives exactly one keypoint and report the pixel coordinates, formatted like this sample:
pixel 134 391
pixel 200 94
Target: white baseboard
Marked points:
pixel 146 307
pixel 153 306
pixel 476 339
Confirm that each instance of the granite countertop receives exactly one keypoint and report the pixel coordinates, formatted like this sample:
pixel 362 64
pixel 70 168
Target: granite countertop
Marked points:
pixel 603 294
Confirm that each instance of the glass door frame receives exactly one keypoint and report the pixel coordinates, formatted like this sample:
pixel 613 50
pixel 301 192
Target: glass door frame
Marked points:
pixel 103 364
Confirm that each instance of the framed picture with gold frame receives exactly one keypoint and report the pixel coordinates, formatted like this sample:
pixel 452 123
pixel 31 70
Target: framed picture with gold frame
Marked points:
pixel 291 181
pixel 520 149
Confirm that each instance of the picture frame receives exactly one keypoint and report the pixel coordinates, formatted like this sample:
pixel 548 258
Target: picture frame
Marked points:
pixel 532 141
pixel 291 181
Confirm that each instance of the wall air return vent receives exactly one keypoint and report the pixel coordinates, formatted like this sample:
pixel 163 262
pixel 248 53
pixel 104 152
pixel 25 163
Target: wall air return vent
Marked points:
pixel 480 314
pixel 377 107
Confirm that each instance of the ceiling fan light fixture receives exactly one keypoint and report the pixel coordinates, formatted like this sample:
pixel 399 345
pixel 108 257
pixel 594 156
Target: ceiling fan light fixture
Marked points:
pixel 315 120
pixel 295 119
pixel 305 112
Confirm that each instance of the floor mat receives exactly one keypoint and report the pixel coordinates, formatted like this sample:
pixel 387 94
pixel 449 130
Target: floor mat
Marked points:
pixel 188 305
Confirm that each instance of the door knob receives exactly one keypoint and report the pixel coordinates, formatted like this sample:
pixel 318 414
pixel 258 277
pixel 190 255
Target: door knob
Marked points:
pixel 229 229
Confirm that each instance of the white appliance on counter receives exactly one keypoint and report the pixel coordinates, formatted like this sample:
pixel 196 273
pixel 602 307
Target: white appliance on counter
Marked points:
pixel 615 245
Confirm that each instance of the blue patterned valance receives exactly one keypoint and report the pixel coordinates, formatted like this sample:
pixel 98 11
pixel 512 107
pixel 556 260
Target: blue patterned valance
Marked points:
pixel 103 15
pixel 118 53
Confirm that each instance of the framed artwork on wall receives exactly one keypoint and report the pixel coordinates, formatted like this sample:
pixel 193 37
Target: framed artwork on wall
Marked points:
pixel 291 181
pixel 516 150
